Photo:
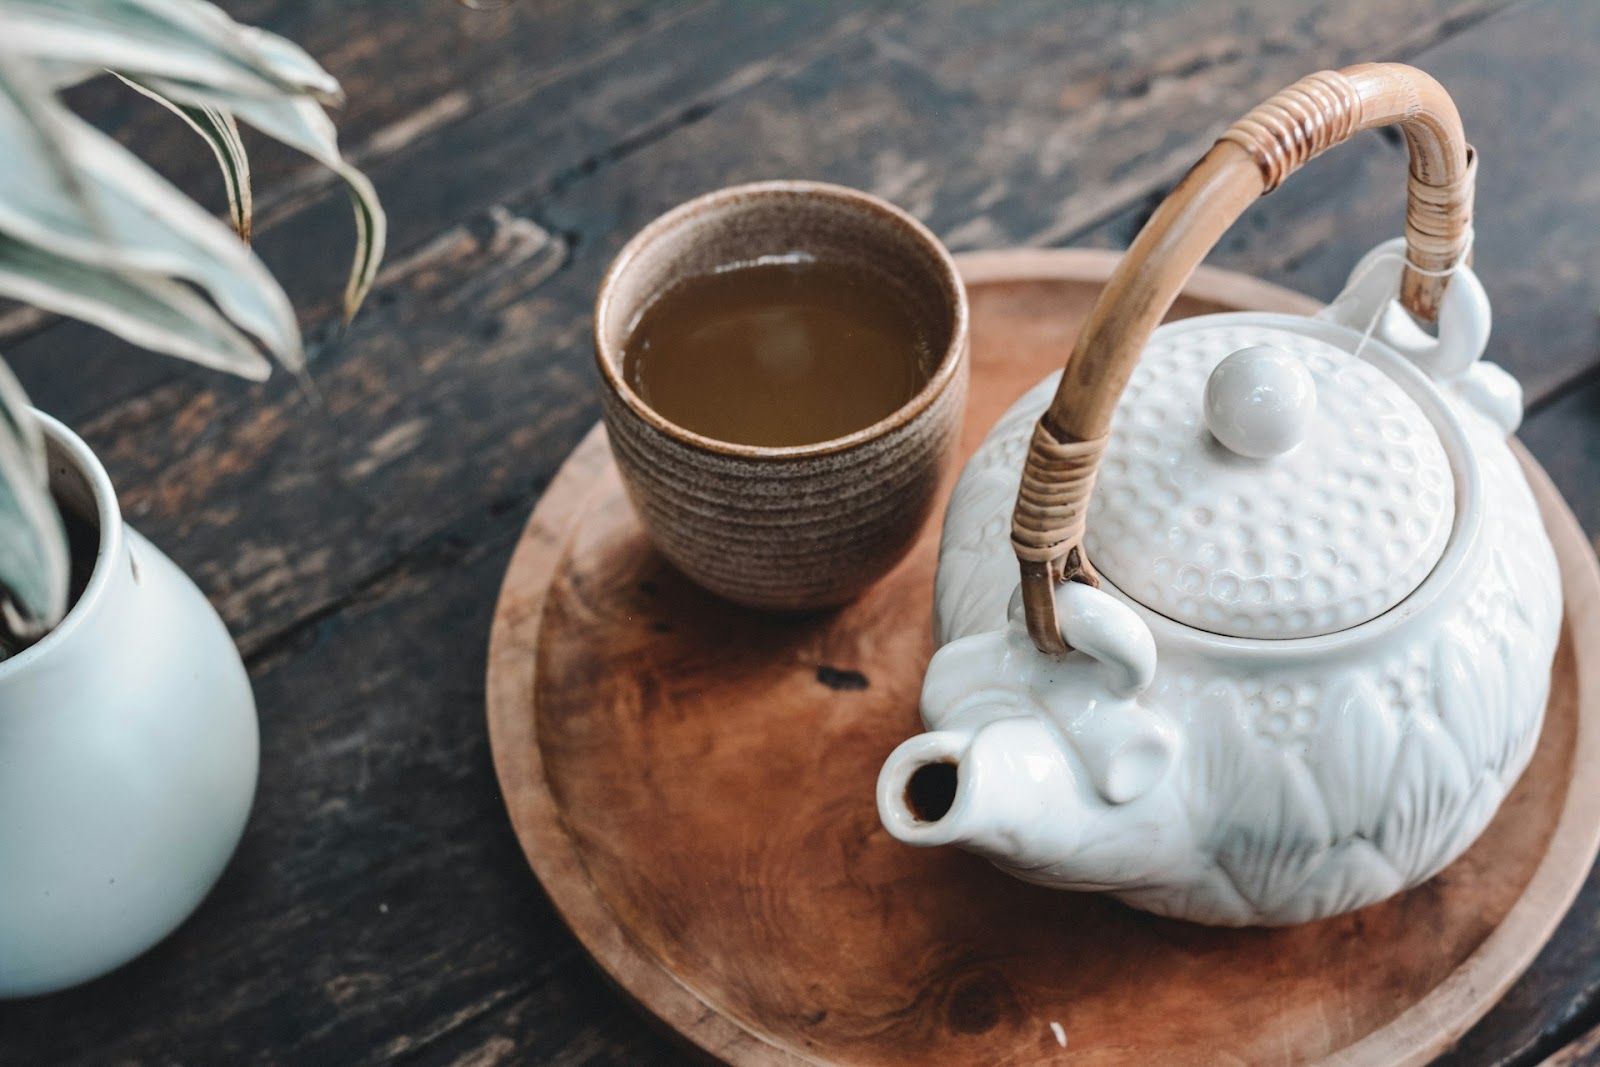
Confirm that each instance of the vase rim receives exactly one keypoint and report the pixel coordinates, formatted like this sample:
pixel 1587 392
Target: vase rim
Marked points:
pixel 67 447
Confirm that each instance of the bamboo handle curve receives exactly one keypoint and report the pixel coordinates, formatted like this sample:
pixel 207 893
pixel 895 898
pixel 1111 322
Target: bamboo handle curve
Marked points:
pixel 1249 160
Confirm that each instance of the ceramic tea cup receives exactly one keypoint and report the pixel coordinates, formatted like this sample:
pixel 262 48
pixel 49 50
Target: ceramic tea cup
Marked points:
pixel 799 527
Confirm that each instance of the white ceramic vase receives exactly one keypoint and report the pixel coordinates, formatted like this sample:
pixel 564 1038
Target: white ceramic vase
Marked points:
pixel 128 755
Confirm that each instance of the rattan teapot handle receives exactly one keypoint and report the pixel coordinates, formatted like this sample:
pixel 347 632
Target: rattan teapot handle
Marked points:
pixel 1252 158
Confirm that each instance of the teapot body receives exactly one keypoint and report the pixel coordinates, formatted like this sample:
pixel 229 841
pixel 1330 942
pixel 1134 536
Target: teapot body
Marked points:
pixel 1299 778
pixel 1270 637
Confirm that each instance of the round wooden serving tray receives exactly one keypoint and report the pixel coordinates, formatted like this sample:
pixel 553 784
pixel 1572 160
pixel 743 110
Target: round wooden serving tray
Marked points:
pixel 693 784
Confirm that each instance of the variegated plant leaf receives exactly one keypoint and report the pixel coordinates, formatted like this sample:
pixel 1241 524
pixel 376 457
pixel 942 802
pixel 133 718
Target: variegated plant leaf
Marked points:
pixel 88 230
pixel 33 545
pixel 289 61
pixel 187 39
pixel 301 123
pixel 221 132
pixel 114 212
pixel 147 309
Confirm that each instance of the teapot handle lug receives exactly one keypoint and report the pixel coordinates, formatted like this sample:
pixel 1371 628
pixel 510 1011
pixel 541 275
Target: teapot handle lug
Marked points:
pixel 1370 302
pixel 1098 624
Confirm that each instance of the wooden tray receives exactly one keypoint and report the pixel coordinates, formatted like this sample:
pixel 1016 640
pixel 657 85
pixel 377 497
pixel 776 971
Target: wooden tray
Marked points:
pixel 693 784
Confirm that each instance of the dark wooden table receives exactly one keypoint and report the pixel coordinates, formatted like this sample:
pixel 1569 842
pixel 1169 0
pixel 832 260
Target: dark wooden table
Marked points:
pixel 379 909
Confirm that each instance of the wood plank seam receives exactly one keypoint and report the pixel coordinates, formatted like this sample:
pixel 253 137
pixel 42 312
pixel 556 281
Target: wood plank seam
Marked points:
pixel 782 64
pixel 437 554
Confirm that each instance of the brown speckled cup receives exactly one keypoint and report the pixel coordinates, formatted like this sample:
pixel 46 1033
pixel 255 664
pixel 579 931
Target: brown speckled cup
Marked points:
pixel 807 526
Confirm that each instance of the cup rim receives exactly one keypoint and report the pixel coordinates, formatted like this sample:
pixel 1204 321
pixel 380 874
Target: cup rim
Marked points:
pixel 943 372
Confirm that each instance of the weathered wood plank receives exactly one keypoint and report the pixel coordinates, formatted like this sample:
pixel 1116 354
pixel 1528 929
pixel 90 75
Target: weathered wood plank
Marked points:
pixel 1565 436
pixel 1581 1053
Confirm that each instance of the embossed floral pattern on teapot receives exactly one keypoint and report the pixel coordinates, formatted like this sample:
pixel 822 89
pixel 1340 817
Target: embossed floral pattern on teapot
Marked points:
pixel 1288 611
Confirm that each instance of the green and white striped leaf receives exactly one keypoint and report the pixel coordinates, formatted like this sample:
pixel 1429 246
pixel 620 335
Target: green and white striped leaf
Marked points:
pixel 292 63
pixel 221 132
pixel 87 230
pixel 188 39
pixel 33 545
pixel 110 210
pixel 147 309
pixel 301 123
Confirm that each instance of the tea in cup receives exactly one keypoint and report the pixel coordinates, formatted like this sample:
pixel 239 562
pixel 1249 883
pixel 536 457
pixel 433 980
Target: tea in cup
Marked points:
pixel 785 369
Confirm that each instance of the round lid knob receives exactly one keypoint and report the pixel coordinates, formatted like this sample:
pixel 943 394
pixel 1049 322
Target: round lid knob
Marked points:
pixel 1267 492
pixel 1259 401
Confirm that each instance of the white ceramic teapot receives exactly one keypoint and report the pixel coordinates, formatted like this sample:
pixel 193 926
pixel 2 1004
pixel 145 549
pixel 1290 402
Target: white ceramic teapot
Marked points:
pixel 1286 622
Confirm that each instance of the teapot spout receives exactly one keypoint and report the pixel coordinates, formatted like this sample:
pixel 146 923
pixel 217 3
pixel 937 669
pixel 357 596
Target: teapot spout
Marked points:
pixel 1016 792
pixel 1006 791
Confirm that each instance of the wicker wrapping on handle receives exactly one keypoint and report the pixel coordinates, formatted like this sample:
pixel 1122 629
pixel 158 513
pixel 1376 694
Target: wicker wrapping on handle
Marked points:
pixel 1250 159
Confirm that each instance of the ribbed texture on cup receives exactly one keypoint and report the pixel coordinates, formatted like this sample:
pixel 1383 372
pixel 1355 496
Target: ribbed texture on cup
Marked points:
pixel 788 533
pixel 787 529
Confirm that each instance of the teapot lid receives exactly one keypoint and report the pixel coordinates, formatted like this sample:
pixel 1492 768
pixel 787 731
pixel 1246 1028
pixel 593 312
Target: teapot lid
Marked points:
pixel 1260 482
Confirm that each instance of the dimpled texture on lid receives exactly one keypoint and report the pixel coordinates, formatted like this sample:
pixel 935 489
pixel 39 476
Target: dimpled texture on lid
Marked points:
pixel 1330 534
